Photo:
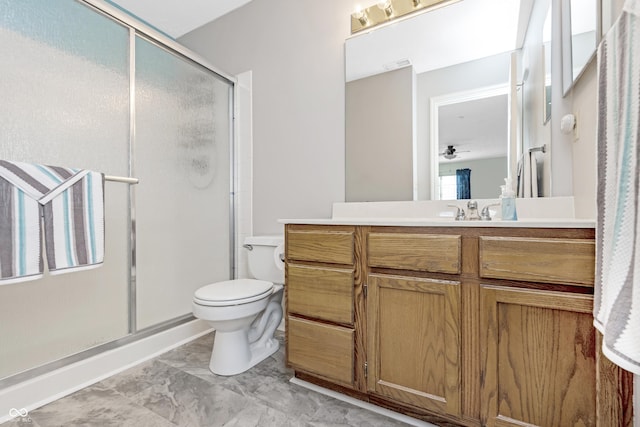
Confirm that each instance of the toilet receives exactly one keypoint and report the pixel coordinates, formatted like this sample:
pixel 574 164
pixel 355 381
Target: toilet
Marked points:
pixel 245 312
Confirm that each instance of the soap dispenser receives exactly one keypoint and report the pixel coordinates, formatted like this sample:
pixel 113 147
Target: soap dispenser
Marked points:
pixel 508 201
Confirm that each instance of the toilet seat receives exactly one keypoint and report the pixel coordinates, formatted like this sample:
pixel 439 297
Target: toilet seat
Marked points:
pixel 233 292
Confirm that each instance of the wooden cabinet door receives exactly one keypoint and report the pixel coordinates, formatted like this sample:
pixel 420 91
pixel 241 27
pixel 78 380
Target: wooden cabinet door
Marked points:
pixel 414 341
pixel 538 358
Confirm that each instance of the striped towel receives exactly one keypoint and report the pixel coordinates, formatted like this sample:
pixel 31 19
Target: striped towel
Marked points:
pixel 617 292
pixel 71 203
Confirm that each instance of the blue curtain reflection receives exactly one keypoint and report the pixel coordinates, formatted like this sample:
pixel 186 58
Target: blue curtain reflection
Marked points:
pixel 463 180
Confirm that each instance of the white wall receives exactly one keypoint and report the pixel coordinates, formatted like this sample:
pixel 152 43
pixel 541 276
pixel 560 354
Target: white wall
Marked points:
pixel 583 143
pixel 295 50
pixel 243 171
pixel 581 101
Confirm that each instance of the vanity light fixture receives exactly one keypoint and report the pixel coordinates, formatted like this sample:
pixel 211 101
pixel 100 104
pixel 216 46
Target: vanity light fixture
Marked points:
pixel 388 10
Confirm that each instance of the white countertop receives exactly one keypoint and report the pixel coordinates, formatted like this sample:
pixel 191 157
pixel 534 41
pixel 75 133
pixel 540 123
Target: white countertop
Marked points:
pixel 547 212
pixel 447 222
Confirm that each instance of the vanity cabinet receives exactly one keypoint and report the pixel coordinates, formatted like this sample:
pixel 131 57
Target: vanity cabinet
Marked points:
pixel 320 298
pixel 470 326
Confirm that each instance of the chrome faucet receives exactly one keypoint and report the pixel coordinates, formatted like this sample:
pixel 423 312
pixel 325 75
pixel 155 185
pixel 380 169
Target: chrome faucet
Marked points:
pixel 472 212
pixel 472 205
pixel 460 215
pixel 485 215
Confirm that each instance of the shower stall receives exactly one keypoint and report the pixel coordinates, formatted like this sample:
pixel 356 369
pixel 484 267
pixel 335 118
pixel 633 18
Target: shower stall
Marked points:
pixel 84 85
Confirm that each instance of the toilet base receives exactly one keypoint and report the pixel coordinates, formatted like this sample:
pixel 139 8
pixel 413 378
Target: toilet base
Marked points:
pixel 261 353
pixel 232 354
pixel 244 333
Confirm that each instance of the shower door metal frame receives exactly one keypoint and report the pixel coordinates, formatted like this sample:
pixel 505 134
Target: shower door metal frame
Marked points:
pixel 138 28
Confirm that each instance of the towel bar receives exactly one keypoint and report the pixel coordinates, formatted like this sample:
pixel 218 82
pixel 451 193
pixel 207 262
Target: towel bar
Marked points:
pixel 124 179
pixel 542 148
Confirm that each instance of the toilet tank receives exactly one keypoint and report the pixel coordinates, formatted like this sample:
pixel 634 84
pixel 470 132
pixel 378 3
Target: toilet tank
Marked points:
pixel 265 257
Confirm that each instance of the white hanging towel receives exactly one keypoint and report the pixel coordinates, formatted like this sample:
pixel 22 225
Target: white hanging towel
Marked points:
pixel 528 176
pixel 533 170
pixel 617 288
pixel 72 205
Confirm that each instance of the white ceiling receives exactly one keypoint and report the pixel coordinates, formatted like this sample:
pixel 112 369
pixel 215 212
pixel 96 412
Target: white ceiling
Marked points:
pixel 178 17
pixel 477 129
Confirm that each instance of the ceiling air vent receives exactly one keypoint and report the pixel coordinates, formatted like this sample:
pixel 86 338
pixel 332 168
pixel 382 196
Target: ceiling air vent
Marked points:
pixel 400 63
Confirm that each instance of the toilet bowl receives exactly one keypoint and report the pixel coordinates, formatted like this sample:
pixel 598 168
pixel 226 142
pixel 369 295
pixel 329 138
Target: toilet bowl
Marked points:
pixel 245 312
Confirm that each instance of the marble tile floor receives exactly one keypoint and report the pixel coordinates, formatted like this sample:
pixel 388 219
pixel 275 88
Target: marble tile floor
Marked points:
pixel 177 389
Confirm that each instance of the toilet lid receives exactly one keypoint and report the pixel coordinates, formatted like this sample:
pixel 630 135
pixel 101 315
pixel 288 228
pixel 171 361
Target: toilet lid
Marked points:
pixel 232 292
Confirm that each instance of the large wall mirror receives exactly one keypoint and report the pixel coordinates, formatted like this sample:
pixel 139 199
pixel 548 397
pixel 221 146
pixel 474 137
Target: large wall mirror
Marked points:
pixel 581 33
pixel 465 86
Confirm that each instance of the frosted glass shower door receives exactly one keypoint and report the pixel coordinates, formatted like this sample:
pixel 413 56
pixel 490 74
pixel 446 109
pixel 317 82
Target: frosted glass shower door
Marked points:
pixel 64 85
pixel 182 151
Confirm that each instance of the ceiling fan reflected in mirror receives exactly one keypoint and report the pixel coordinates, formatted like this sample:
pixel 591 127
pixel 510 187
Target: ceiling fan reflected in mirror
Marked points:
pixel 451 153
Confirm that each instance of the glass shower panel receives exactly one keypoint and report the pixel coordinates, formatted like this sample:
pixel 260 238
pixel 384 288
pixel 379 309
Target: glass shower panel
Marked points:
pixel 182 152
pixel 65 101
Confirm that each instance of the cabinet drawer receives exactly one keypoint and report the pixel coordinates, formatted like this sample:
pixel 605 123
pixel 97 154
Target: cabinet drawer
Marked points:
pixel 539 260
pixel 423 252
pixel 321 349
pixel 321 246
pixel 322 293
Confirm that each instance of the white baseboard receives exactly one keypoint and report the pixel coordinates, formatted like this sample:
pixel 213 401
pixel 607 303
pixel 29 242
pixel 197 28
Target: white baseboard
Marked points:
pixel 39 391
pixel 361 404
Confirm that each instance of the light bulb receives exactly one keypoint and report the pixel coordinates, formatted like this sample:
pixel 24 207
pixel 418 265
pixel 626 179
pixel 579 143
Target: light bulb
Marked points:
pixel 385 5
pixel 361 16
